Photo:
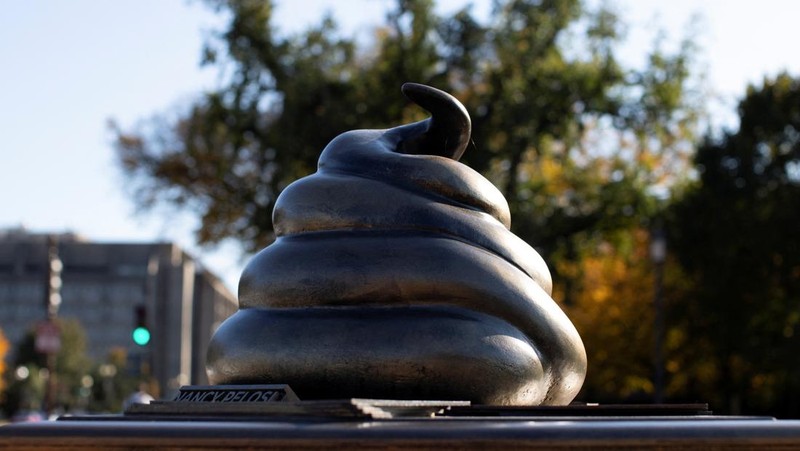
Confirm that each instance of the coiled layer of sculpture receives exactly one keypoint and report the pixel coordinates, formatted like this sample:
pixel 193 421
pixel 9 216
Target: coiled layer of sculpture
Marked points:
pixel 394 275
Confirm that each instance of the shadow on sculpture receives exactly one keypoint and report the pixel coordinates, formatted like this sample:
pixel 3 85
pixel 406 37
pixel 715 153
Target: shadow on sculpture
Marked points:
pixel 394 276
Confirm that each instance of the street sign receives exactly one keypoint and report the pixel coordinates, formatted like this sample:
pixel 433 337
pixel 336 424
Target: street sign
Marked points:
pixel 48 338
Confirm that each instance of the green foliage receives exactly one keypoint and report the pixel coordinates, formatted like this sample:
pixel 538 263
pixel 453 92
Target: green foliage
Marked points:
pixel 533 103
pixel 71 364
pixel 71 359
pixel 81 385
pixel 736 234
pixel 110 382
pixel 24 394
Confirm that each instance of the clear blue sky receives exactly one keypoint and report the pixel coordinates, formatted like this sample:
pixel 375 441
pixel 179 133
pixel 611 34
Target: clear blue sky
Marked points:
pixel 66 67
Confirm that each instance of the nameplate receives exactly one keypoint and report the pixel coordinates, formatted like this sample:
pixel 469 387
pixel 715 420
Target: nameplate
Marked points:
pixel 234 394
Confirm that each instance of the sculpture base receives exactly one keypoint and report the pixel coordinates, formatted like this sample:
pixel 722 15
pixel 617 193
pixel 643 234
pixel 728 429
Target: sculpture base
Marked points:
pixel 375 424
pixel 258 402
pixel 295 410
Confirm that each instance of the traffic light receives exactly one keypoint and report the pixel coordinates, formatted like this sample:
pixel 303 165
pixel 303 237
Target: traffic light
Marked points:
pixel 141 333
pixel 54 268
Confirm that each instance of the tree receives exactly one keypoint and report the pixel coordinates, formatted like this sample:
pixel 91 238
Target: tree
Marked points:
pixel 608 308
pixel 3 351
pixel 736 235
pixel 71 364
pixel 112 382
pixel 534 104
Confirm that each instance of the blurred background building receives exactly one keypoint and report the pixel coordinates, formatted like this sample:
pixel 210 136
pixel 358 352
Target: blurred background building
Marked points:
pixel 112 289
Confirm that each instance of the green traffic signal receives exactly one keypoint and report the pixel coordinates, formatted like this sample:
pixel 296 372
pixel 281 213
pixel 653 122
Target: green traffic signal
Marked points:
pixel 141 336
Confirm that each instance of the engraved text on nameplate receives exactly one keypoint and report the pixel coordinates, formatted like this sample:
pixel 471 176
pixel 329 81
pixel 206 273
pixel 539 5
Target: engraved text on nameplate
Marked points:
pixel 236 393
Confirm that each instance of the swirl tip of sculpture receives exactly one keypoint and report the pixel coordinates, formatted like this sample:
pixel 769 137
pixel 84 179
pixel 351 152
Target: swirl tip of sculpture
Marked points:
pixel 447 131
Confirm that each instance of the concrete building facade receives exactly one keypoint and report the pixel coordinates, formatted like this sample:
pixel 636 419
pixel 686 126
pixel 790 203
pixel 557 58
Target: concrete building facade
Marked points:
pixel 104 286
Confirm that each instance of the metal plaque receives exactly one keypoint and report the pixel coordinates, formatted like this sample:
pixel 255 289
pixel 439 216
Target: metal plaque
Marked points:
pixel 235 394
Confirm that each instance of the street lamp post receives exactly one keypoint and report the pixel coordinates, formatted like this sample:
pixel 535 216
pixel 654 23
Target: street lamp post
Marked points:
pixel 48 340
pixel 658 254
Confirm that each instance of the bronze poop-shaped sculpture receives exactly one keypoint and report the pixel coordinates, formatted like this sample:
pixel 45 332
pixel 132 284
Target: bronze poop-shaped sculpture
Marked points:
pixel 394 276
